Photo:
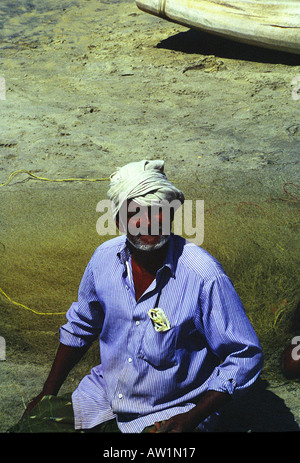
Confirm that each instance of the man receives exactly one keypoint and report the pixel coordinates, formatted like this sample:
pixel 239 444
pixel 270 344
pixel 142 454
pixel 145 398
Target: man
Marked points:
pixel 175 342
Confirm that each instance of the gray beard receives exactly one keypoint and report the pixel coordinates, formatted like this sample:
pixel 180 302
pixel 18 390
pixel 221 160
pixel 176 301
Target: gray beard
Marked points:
pixel 148 247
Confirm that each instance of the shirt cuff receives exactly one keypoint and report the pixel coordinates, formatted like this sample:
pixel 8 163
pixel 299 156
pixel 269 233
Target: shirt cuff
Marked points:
pixel 221 384
pixel 69 339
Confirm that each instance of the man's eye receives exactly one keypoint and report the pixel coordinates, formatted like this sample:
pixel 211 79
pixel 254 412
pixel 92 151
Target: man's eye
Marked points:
pixel 133 213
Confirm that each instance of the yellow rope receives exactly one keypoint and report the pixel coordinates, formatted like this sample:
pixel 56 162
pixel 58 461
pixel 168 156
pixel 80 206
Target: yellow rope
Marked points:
pixel 27 308
pixel 23 171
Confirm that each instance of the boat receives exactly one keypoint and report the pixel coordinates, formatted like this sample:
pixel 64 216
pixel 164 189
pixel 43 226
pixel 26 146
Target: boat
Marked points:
pixel 271 24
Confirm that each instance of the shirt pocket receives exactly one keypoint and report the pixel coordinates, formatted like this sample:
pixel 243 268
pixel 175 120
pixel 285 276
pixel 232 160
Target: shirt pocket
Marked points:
pixel 158 347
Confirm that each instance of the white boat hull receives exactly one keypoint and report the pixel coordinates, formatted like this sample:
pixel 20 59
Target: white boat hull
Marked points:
pixel 270 24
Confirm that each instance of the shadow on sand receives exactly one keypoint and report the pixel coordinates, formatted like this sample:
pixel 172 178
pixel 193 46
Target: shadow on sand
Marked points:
pixel 258 411
pixel 198 42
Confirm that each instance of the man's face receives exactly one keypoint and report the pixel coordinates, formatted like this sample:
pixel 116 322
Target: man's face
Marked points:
pixel 147 228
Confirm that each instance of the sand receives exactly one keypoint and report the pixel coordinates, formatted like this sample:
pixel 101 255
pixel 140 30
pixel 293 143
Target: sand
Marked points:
pixel 92 85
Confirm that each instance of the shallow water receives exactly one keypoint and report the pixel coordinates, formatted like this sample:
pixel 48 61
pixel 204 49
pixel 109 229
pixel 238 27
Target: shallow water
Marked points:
pixel 25 19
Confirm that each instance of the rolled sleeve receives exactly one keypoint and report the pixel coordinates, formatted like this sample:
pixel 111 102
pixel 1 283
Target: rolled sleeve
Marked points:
pixel 230 337
pixel 85 317
pixel 222 384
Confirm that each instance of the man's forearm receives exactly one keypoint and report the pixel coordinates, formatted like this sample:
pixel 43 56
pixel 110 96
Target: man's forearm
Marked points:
pixel 188 421
pixel 211 402
pixel 66 358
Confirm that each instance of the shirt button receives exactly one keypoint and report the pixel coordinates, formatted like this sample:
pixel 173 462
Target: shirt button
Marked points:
pixel 130 360
pixel 120 396
pixel 137 323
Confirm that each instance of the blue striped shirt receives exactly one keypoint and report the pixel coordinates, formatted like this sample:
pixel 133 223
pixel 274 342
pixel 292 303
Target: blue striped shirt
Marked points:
pixel 145 375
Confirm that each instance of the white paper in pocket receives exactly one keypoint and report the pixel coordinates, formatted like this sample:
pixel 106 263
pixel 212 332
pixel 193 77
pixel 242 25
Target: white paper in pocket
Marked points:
pixel 159 319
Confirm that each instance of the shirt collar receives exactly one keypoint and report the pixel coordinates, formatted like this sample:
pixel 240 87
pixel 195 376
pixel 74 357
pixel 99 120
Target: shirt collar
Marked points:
pixel 124 254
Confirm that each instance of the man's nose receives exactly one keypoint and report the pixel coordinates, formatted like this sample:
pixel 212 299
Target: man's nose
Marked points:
pixel 145 220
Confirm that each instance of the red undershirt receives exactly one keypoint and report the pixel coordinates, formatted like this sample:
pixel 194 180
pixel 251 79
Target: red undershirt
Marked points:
pixel 142 278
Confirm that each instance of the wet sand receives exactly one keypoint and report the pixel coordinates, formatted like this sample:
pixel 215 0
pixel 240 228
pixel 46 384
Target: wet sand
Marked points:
pixel 93 85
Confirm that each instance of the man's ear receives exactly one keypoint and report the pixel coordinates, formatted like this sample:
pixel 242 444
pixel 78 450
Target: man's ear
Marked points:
pixel 172 214
pixel 118 223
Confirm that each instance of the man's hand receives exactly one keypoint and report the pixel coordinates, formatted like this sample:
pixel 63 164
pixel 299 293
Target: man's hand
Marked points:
pixel 33 403
pixel 210 402
pixel 66 358
pixel 178 423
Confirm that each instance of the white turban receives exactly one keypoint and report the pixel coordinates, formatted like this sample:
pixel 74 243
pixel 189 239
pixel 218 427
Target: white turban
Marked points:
pixel 144 182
